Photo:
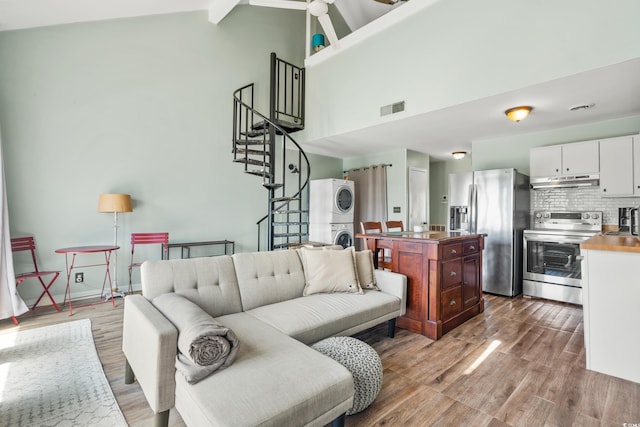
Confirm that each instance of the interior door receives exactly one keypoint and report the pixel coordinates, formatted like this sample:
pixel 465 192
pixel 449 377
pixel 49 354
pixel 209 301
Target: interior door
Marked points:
pixel 418 197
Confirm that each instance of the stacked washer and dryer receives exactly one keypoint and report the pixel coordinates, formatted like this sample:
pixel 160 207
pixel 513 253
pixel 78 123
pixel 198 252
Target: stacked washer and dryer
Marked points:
pixel 331 211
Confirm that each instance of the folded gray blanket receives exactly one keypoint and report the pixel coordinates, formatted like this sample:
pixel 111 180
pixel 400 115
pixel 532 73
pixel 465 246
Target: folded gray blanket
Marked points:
pixel 204 344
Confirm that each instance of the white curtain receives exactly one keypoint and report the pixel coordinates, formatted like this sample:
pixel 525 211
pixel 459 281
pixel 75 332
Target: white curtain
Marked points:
pixel 370 196
pixel 10 302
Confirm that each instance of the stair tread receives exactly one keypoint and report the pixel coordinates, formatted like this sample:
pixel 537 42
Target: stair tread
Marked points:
pixel 289 234
pixel 251 141
pixel 259 173
pixel 290 211
pixel 249 151
pixel 255 132
pixel 251 162
pixel 273 185
pixel 290 127
pixel 284 199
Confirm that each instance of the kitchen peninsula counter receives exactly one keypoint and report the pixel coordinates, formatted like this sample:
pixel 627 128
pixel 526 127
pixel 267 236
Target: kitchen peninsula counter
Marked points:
pixel 612 242
pixel 444 277
pixel 611 297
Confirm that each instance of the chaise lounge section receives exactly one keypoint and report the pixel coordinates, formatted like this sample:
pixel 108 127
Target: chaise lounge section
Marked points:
pixel 276 378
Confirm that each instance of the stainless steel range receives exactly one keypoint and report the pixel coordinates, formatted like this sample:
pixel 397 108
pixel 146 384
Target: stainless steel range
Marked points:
pixel 552 254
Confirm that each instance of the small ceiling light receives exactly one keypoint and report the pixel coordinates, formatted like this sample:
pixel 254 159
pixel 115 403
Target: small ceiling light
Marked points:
pixel 459 154
pixel 518 113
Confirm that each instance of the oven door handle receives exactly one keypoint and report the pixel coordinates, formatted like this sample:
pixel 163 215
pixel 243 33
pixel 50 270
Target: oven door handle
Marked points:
pixel 554 240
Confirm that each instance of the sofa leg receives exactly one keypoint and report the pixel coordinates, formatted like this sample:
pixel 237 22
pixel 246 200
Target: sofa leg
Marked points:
pixel 339 422
pixel 129 376
pixel 161 419
pixel 392 328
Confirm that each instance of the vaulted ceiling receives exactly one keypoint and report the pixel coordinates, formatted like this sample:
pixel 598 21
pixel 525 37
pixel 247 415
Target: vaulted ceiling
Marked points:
pixel 615 89
pixel 19 14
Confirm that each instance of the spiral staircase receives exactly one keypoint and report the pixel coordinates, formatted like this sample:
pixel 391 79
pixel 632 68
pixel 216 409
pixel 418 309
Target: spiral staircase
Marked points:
pixel 264 145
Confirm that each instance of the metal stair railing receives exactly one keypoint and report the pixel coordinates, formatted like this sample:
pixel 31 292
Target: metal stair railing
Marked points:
pixel 261 153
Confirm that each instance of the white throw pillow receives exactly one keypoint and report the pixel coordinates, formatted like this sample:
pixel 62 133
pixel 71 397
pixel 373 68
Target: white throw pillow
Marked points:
pixel 364 267
pixel 330 271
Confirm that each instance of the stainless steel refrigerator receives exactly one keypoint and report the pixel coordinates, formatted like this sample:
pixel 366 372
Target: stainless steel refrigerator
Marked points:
pixel 495 203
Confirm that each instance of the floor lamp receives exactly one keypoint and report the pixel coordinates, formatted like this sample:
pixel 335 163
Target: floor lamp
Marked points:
pixel 116 203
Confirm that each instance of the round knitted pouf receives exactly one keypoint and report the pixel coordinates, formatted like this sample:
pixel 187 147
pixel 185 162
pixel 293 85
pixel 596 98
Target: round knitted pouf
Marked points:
pixel 362 361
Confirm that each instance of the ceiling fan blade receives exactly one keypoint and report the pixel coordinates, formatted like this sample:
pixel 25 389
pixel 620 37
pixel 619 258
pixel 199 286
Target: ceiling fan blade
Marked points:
pixel 329 31
pixel 283 4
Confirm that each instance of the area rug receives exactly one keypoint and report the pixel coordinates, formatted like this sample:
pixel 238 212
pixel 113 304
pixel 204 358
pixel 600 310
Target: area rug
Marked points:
pixel 51 376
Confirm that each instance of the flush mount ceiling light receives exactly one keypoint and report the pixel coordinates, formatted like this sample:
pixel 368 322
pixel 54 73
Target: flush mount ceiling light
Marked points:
pixel 459 154
pixel 518 113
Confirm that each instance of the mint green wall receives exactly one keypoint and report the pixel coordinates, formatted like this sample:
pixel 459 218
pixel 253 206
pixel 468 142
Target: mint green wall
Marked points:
pixel 140 106
pixel 513 152
pixel 457 51
pixel 325 167
pixel 396 178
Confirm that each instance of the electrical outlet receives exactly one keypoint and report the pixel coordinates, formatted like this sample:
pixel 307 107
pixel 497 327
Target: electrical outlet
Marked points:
pixel 79 277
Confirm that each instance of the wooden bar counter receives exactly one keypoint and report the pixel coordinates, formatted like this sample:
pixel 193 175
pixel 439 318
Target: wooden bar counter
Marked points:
pixel 444 277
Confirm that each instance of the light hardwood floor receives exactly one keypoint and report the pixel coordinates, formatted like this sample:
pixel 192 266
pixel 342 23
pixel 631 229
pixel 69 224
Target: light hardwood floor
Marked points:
pixel 521 362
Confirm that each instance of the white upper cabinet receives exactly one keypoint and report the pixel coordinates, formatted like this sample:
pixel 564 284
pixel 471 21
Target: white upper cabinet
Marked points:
pixel 580 158
pixel 636 165
pixel 617 167
pixel 577 158
pixel 545 161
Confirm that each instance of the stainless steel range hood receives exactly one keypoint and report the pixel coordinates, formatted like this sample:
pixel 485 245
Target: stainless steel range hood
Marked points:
pixel 592 180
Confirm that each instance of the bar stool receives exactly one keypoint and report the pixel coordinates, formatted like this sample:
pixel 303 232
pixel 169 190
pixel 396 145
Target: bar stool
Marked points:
pixel 384 255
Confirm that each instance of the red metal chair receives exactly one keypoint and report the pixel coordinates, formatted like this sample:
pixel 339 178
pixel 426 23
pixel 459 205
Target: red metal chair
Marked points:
pixel 147 239
pixel 20 244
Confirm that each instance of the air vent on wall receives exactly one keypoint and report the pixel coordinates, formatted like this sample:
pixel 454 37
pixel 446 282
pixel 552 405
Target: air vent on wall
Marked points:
pixel 396 107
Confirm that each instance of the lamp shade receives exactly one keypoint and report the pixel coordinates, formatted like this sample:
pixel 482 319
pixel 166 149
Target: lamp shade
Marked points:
pixel 114 203
pixel 459 154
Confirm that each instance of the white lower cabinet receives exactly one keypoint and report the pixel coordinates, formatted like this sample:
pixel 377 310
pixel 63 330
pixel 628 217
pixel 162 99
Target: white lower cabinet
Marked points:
pixel 611 303
pixel 636 165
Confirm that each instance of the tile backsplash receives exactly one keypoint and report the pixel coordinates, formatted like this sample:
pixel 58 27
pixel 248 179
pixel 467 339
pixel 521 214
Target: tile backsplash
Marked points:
pixel 581 199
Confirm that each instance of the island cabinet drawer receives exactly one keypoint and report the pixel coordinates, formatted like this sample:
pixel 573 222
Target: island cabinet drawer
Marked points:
pixel 451 251
pixel 451 273
pixel 469 248
pixel 451 302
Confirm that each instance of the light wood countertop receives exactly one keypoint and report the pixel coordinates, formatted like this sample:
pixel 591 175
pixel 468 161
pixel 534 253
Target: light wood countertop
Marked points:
pixel 620 243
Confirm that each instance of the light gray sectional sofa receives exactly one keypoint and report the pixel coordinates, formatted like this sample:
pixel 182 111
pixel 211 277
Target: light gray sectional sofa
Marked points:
pixel 265 298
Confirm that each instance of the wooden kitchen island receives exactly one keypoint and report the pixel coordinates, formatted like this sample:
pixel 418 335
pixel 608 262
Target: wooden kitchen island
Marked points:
pixel 444 277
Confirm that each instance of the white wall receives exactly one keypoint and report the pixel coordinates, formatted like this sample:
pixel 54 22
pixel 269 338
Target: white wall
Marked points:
pixel 439 186
pixel 456 51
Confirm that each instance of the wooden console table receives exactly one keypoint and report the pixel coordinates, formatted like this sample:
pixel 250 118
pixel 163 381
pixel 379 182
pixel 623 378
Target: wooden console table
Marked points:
pixel 444 277
pixel 229 247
